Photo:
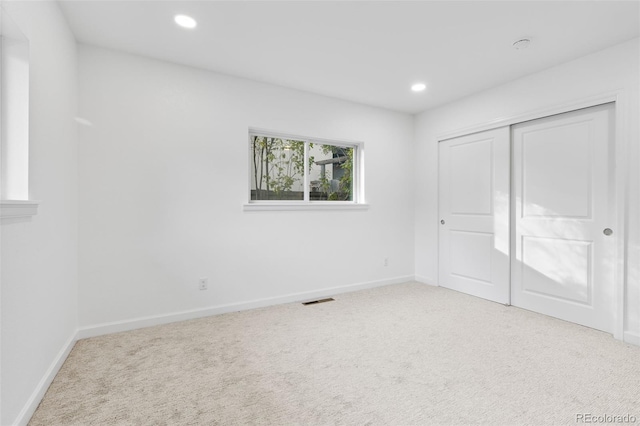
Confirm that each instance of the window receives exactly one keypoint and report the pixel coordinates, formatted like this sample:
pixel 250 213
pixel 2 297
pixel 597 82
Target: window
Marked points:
pixel 290 170
pixel 14 116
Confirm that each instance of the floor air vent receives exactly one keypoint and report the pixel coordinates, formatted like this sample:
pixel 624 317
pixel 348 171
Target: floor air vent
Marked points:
pixel 313 302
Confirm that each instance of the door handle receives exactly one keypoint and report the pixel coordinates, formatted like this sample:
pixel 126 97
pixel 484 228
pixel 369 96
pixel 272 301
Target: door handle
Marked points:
pixel 442 221
pixel 607 231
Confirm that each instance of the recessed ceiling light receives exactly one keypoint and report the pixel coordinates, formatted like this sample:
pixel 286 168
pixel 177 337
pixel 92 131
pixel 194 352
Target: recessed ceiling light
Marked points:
pixel 523 43
pixel 185 21
pixel 418 87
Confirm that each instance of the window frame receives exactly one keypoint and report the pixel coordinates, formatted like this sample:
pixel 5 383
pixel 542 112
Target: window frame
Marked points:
pixel 357 203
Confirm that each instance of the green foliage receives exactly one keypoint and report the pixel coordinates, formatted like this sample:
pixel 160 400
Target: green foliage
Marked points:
pixel 345 189
pixel 346 181
pixel 277 165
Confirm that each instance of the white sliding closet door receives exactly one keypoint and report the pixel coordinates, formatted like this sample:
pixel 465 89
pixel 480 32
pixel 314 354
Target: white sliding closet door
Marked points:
pixel 563 260
pixel 474 214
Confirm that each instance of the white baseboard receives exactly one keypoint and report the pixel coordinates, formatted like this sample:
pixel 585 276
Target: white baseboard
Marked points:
pixel 38 393
pixel 135 323
pixel 425 280
pixel 632 338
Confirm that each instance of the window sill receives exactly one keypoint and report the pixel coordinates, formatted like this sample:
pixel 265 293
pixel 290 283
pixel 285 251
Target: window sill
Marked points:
pixel 18 208
pixel 253 207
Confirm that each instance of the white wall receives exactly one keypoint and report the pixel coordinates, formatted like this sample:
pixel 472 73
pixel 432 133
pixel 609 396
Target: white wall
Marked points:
pixel 39 255
pixel 613 69
pixel 164 175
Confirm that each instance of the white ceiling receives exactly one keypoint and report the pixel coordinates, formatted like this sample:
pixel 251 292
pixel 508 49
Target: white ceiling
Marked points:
pixel 364 51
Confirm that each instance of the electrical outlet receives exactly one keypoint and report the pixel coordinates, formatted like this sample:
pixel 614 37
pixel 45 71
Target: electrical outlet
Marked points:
pixel 386 261
pixel 203 283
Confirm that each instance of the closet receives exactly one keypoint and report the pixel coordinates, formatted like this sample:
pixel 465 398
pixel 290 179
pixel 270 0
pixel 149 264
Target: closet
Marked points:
pixel 526 215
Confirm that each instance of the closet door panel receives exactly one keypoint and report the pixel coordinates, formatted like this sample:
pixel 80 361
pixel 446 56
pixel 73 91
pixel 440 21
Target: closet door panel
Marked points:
pixel 563 263
pixel 474 214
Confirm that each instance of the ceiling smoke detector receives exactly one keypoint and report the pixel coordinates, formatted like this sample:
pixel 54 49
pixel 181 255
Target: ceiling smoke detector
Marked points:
pixel 523 43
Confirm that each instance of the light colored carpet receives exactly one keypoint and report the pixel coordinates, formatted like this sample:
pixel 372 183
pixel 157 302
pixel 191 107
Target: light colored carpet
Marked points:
pixel 398 355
